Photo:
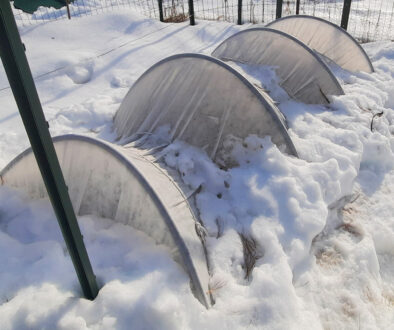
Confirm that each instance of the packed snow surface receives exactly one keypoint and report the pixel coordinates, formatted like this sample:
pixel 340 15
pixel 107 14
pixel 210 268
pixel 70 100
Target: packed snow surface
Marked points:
pixel 293 243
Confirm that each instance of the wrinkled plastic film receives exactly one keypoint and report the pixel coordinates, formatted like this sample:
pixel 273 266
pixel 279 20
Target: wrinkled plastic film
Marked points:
pixel 327 39
pixel 301 72
pixel 202 101
pixel 120 184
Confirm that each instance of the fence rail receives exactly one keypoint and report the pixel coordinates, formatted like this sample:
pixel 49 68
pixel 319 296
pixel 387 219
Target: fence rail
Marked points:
pixel 367 20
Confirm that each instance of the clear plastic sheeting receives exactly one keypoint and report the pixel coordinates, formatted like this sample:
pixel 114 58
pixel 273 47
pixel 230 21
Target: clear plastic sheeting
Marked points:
pixel 327 39
pixel 202 101
pixel 121 184
pixel 303 75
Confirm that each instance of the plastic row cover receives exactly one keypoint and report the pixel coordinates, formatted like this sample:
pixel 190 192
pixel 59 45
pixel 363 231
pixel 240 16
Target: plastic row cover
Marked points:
pixel 120 184
pixel 302 73
pixel 327 39
pixel 200 100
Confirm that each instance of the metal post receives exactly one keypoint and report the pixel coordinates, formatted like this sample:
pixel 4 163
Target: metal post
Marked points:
pixel 279 8
pixel 191 12
pixel 298 7
pixel 345 13
pixel 161 10
pixel 68 9
pixel 239 12
pixel 25 93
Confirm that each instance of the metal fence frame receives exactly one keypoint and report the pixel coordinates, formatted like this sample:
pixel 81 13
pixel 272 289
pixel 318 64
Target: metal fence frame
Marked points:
pixel 367 20
pixel 22 84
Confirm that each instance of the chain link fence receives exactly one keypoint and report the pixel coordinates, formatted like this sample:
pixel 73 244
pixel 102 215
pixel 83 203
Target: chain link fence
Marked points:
pixel 369 20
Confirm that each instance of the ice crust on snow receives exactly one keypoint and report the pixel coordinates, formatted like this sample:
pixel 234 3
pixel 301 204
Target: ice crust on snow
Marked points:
pixel 323 223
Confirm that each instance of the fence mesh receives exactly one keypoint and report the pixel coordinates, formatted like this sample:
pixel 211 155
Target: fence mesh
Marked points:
pixel 370 20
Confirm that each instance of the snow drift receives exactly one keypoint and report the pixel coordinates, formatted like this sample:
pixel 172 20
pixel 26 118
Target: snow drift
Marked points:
pixel 120 184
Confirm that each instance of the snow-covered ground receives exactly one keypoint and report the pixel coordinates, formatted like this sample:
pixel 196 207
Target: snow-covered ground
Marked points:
pixel 321 227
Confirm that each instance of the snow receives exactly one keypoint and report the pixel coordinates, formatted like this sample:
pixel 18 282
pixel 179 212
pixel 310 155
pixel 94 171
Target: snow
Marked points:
pixel 320 228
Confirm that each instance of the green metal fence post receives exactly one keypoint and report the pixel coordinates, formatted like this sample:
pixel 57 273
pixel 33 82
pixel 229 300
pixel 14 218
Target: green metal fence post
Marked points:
pixel 279 4
pixel 345 13
pixel 191 13
pixel 298 7
pixel 25 93
pixel 161 15
pixel 239 21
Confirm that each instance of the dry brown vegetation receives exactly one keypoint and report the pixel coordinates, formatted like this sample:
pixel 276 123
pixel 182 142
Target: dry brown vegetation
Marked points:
pixel 252 252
